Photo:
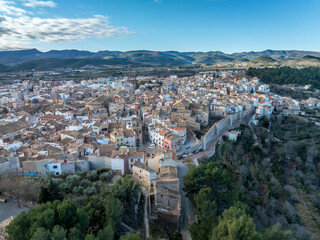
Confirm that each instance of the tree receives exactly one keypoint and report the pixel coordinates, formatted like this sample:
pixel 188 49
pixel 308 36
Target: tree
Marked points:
pixel 96 213
pixel 58 233
pixel 113 210
pixel 13 185
pixel 19 227
pixel 90 237
pixel 126 189
pixel 92 175
pixel 75 234
pixel 54 192
pixel 73 180
pixel 85 183
pixel 206 206
pixel 44 195
pixel 41 234
pixel 90 191
pixel 82 220
pixel 131 236
pixel 234 224
pixel 67 213
pixel 176 236
pixel 106 233
pixel 51 219
pixel 275 233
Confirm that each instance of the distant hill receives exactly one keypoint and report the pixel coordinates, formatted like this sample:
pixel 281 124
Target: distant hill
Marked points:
pixel 34 59
pixel 52 63
pixel 3 68
pixel 264 59
pixel 308 57
pixel 277 54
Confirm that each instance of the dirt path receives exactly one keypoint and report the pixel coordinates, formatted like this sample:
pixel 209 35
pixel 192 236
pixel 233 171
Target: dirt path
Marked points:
pixel 187 208
pixel 145 218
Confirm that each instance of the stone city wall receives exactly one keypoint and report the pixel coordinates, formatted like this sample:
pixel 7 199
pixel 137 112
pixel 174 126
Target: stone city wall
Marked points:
pixel 223 124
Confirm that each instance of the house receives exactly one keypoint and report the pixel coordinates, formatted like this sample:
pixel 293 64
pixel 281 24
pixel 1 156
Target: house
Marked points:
pixel 135 156
pixel 9 165
pixel 167 196
pixel 59 167
pixel 171 141
pixel 120 160
pixel 36 167
pixel 50 117
pixel 144 175
pixel 129 138
pixel 117 136
pixel 12 131
pixel 233 135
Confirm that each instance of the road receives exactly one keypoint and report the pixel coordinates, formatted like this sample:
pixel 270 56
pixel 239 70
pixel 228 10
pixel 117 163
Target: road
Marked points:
pixel 211 147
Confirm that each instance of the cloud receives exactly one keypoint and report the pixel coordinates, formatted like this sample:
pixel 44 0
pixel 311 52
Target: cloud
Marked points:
pixel 36 3
pixel 8 44
pixel 9 7
pixel 19 29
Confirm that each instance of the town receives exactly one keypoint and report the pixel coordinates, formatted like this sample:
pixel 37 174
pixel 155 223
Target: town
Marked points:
pixel 152 128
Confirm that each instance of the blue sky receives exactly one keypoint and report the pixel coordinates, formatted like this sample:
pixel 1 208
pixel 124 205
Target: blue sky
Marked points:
pixel 182 25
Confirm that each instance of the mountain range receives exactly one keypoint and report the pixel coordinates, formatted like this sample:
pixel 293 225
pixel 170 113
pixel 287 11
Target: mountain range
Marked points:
pixel 35 59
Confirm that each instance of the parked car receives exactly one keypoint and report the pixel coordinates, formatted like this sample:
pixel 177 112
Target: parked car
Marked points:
pixel 152 146
pixel 188 147
pixel 190 154
pixel 195 152
pixel 185 155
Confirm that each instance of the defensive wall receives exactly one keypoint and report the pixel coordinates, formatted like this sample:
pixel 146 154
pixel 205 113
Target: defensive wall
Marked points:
pixel 222 125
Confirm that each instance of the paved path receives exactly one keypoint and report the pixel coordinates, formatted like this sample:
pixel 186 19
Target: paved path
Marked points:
pixel 10 208
pixel 146 219
pixel 187 208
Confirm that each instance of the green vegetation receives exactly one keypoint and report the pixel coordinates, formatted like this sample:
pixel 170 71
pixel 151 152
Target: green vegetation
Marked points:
pixel 79 207
pixel 259 189
pixel 287 75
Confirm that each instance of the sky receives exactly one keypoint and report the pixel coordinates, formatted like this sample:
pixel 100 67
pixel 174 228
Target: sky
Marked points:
pixel 160 25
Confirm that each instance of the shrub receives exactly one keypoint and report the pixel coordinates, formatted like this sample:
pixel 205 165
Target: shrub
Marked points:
pixel 92 175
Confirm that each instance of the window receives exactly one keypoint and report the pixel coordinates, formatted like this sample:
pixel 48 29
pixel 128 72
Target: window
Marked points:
pixel 55 167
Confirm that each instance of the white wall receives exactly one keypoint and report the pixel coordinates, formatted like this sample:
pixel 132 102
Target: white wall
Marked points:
pixel 117 164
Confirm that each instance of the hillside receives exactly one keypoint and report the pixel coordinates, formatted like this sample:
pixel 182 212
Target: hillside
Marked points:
pixel 277 54
pixel 165 58
pixel 287 75
pixel 270 179
pixel 52 63
pixel 264 59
